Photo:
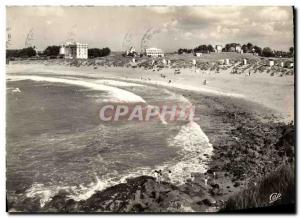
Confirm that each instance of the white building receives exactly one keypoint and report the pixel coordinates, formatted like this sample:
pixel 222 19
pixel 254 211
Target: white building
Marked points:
pixel 238 49
pixel 74 50
pixel 131 51
pixel 154 52
pixel 271 63
pixel 194 62
pixel 221 61
pixel 62 50
pixel 219 48
pixel 281 64
pixel 164 62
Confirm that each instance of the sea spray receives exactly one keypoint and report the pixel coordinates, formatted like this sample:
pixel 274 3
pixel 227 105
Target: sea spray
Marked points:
pixel 117 83
pixel 195 144
pixel 190 138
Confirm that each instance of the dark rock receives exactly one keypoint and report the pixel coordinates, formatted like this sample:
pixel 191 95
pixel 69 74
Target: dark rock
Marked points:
pixel 236 184
pixel 209 171
pixel 216 186
pixel 208 202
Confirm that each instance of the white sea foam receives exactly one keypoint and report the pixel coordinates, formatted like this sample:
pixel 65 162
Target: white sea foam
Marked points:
pixel 117 83
pixel 116 94
pixel 176 97
pixel 81 192
pixel 194 144
pixel 190 138
pixel 39 190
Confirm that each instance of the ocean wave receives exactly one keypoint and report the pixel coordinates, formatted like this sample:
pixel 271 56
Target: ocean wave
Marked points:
pixel 196 151
pixel 116 94
pixel 117 83
pixel 177 97
pixel 195 154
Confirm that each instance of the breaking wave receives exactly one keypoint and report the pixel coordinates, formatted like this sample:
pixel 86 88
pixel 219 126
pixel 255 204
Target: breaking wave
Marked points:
pixel 194 153
pixel 117 83
pixel 195 149
pixel 116 94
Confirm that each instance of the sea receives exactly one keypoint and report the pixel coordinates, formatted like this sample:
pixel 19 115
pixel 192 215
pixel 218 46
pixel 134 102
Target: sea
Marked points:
pixel 56 141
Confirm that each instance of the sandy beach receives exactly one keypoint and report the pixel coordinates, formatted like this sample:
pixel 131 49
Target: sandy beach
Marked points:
pixel 274 92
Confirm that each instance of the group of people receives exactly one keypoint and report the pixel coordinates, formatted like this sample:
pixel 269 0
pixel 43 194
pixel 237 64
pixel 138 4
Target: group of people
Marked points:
pixel 162 176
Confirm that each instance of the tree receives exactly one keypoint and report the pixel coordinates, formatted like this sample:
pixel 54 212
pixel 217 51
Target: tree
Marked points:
pixel 12 53
pixel 257 50
pixel 105 51
pixel 249 46
pixel 291 51
pixel 96 52
pixel 204 49
pixel 231 46
pixel 267 52
pixel 184 50
pixel 52 50
pixel 24 53
pixel 27 52
pixel 245 48
pixel 210 48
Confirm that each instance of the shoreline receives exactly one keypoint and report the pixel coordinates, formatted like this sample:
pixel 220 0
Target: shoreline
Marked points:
pixel 276 93
pixel 221 120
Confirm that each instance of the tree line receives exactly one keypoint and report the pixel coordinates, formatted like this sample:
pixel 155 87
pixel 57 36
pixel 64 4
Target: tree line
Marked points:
pixel 200 48
pixel 52 51
pixel 246 48
pixel 96 52
pixel 24 53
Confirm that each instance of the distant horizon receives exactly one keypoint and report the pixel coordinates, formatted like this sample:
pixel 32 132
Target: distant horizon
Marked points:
pixel 165 27
pixel 174 51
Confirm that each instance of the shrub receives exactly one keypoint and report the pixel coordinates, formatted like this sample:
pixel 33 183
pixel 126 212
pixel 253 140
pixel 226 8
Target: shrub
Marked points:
pixel 280 181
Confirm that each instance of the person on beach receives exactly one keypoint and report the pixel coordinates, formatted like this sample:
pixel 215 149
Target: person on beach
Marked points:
pixel 153 62
pixel 205 179
pixel 158 175
pixel 193 177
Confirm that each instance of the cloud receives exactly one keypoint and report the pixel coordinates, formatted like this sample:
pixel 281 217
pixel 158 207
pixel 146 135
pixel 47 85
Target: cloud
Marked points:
pixel 186 26
pixel 188 35
pixel 48 22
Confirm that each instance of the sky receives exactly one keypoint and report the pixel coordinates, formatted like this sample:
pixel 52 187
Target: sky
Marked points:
pixel 165 27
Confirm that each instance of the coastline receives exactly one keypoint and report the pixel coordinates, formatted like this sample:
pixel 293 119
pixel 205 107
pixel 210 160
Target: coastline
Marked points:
pixel 274 92
pixel 224 118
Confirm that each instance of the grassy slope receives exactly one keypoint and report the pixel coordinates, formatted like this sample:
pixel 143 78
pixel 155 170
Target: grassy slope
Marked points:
pixel 282 181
